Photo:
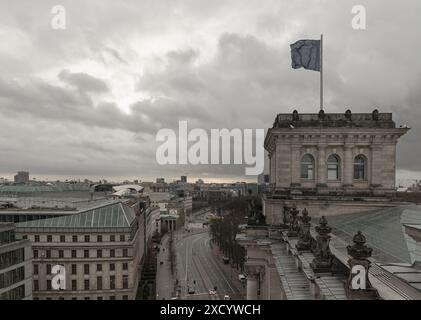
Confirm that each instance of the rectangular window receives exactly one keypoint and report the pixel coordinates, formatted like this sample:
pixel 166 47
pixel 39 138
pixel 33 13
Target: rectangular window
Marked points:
pixel 99 283
pixel 36 238
pixel 35 254
pixel 87 238
pixel 61 254
pixel 125 266
pixel 86 268
pixel 112 266
pixel 74 254
pixel 36 285
pixel 112 297
pixel 112 282
pixel 122 238
pixel 49 238
pixel 35 269
pixel 86 284
pixel 99 267
pixel 99 238
pixel 74 285
pixel 125 253
pixel 74 269
pixel 112 238
pixel 86 253
pixel 48 253
pixel 99 298
pixel 62 238
pixel 112 253
pixel 99 253
pixel 74 238
pixel 48 284
pixel 125 282
pixel 48 268
pixel 125 297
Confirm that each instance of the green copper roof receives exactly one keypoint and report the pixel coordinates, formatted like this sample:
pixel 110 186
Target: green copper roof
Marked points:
pixel 115 215
pixel 43 188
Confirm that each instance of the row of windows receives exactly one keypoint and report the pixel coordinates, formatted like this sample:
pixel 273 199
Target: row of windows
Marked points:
pixel 11 277
pixel 10 258
pixel 17 293
pixel 86 268
pixel 87 284
pixel 62 254
pixel 333 167
pixel 7 236
pixel 124 297
pixel 86 238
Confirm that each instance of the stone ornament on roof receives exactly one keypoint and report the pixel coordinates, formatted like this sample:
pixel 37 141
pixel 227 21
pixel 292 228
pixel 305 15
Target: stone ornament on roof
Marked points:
pixel 358 285
pixel 359 250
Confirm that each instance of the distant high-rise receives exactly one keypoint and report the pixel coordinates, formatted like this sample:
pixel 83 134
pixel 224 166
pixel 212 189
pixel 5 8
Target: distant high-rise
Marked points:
pixel 22 177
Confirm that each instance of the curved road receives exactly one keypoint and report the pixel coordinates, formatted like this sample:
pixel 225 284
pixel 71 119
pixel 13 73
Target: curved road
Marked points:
pixel 198 268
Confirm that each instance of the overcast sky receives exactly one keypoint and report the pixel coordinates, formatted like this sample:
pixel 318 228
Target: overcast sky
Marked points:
pixel 88 101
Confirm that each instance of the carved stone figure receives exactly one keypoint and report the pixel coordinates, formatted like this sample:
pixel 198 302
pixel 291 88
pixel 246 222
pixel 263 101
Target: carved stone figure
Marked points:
pixel 323 260
pixel 293 222
pixel 304 237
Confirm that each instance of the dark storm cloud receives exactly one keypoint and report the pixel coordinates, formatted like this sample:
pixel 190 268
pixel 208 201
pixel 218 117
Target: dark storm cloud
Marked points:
pixel 90 99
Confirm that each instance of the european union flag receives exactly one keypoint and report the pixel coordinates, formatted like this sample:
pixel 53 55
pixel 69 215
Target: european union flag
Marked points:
pixel 306 54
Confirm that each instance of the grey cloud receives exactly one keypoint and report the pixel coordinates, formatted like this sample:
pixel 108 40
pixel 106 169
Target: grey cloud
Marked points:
pixel 83 81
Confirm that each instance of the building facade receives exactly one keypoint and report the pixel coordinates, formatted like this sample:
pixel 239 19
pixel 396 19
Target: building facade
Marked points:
pixel 342 156
pixel 101 250
pixel 15 265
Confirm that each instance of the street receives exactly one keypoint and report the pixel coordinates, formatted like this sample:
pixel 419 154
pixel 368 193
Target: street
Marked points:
pixel 198 270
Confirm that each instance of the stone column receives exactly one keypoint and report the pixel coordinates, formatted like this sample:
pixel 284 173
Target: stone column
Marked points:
pixel 376 166
pixel 252 285
pixel 295 165
pixel 348 174
pixel 321 165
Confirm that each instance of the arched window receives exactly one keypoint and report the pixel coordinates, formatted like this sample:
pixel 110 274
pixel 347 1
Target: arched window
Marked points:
pixel 360 167
pixel 333 167
pixel 307 167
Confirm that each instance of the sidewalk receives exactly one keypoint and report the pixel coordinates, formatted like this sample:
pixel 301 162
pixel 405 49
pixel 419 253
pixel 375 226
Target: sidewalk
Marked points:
pixel 164 278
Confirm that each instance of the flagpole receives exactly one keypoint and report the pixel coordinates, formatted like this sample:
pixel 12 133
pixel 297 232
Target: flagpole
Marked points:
pixel 321 72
